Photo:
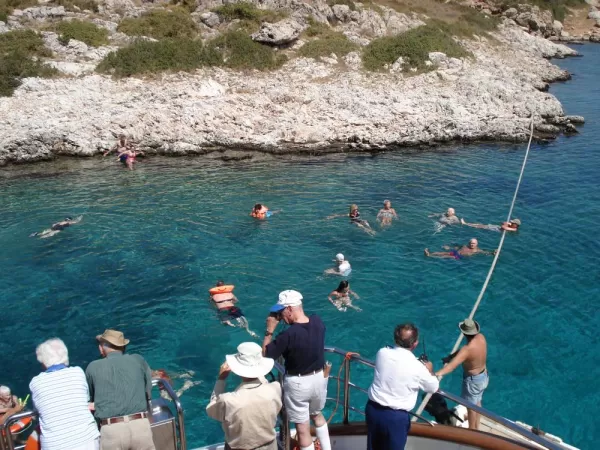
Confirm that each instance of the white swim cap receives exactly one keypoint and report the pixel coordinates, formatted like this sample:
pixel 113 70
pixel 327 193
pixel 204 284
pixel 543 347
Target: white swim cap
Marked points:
pixel 339 257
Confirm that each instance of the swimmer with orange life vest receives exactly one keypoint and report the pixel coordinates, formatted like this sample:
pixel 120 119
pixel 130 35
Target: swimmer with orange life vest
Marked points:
pixel 260 211
pixel 224 300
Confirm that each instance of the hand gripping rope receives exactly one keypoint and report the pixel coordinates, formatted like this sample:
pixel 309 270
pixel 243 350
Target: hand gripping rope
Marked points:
pixel 491 271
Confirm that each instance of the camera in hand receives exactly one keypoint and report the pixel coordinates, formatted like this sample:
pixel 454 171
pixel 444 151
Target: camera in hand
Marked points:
pixel 423 358
pixel 276 315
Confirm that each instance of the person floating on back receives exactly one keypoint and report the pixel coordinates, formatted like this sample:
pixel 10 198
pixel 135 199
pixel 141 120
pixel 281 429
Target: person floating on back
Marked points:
pixel 56 227
pixel 260 211
pixel 355 219
pixel 340 298
pixel 224 300
pixel 459 252
pixel 343 266
pixel 386 214
pixel 511 225
pixel 473 358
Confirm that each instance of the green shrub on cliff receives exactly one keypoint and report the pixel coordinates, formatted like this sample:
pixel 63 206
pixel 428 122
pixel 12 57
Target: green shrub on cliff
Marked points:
pixel 328 43
pixel 7 7
pixel 174 23
pixel 79 30
pixel 239 51
pixel 558 8
pixel 248 14
pixel 144 57
pixel 19 53
pixel 79 5
pixel 414 46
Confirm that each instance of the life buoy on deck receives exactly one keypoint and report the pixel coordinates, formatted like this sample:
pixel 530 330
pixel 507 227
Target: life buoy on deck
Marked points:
pixel 221 289
pixel 33 442
pixel 20 425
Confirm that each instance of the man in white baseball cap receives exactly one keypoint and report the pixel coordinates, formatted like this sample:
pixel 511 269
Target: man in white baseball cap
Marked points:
pixel 305 384
pixel 253 406
pixel 343 266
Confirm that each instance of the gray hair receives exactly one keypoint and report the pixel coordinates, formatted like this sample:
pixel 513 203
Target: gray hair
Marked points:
pixel 4 391
pixel 52 352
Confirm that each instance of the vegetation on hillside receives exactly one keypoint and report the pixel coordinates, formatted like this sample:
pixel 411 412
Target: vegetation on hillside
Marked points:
pixel 249 16
pixel 239 51
pixel 558 8
pixel 7 7
pixel 79 30
pixel 79 5
pixel 19 53
pixel 414 46
pixel 326 41
pixel 175 23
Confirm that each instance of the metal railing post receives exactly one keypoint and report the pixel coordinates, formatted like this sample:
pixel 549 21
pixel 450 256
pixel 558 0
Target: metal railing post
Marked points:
pixel 346 390
pixel 179 409
pixel 285 423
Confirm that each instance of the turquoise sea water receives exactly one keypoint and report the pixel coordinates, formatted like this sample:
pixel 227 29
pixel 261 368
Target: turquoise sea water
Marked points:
pixel 153 241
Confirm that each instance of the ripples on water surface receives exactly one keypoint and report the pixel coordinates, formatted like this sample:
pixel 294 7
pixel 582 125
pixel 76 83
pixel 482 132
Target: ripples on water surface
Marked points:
pixel 152 242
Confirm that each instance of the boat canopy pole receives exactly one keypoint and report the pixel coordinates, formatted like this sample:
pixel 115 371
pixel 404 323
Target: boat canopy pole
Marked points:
pixel 491 271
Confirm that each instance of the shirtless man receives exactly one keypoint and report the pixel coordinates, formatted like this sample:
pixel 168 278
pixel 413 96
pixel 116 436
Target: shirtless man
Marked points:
pixel 228 312
pixel 447 218
pixel 511 225
pixel 57 227
pixel 121 145
pixel 473 358
pixel 459 252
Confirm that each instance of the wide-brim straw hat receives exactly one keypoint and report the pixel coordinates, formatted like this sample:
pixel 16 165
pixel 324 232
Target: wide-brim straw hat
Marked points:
pixel 249 362
pixel 469 327
pixel 113 337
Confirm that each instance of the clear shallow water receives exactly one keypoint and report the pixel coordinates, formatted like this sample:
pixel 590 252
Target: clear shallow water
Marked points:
pixel 152 242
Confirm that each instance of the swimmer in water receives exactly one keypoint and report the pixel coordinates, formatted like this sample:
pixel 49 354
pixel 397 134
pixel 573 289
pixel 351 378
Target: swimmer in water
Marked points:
pixel 511 225
pixel 340 298
pixel 228 312
pixel 343 266
pixel 56 227
pixel 386 214
pixel 121 145
pixel 128 156
pixel 260 211
pixel 188 383
pixel 447 218
pixel 459 252
pixel 354 216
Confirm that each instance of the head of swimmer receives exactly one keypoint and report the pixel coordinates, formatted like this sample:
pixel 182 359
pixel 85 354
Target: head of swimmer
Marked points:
pixel 257 207
pixel 220 283
pixel 450 212
pixel 387 204
pixel 473 243
pixel 406 335
pixel 353 209
pixel 344 287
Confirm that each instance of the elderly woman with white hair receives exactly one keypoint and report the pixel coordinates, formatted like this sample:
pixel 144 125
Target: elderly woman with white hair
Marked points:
pixel 60 395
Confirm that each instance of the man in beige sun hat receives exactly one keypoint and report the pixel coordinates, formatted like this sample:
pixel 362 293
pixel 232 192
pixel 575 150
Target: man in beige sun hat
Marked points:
pixel 473 358
pixel 249 413
pixel 120 388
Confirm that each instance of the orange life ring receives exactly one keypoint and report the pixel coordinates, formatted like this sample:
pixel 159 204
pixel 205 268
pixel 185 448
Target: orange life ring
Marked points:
pixel 19 426
pixel 221 289
pixel 33 442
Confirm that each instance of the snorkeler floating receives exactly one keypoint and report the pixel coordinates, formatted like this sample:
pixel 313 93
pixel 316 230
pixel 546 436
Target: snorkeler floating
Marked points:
pixel 386 214
pixel 354 216
pixel 260 211
pixel 224 300
pixel 511 225
pixel 459 252
pixel 56 227
pixel 342 297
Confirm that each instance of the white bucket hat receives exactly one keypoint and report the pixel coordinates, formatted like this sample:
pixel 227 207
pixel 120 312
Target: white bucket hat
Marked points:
pixel 249 362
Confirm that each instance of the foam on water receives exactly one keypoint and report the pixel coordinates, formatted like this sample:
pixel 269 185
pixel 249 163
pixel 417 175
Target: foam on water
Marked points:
pixel 153 241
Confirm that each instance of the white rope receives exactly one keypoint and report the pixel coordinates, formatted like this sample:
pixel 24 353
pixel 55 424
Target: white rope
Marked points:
pixel 491 271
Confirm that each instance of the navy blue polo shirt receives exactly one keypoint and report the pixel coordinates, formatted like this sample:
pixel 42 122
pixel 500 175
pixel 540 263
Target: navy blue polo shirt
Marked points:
pixel 301 345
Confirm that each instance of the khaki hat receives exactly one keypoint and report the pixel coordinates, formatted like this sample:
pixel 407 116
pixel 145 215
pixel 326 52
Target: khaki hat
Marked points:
pixel 469 327
pixel 113 337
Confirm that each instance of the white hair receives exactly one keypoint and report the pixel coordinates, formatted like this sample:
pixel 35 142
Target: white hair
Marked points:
pixel 4 391
pixel 52 352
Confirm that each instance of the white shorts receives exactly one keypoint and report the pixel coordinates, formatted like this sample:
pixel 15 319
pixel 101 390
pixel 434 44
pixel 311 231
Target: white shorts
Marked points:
pixel 304 396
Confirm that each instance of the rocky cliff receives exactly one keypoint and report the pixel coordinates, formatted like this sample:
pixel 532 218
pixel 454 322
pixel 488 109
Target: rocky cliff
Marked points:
pixel 323 104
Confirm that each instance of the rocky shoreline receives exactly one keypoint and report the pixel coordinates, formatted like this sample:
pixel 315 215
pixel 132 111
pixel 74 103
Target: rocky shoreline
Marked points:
pixel 307 106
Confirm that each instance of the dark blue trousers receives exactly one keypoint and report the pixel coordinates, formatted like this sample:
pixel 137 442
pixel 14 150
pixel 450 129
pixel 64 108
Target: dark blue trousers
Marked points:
pixel 387 428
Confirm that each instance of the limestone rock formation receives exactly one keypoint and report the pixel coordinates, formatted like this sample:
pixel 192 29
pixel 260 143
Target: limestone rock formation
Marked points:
pixel 280 33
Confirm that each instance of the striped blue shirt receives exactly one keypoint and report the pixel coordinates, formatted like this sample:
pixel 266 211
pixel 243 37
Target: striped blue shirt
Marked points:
pixel 61 398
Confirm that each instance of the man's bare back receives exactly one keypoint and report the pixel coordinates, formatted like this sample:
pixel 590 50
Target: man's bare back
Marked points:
pixel 475 361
